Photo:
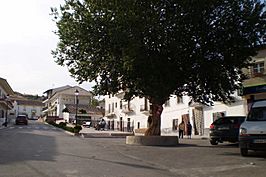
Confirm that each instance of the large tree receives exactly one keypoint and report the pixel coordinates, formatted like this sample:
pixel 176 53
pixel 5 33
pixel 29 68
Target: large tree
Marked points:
pixel 155 48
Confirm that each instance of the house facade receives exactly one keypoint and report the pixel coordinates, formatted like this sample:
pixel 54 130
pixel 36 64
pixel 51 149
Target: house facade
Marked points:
pixel 56 100
pixel 127 116
pixel 31 108
pixel 5 103
pixel 255 85
pixel 133 115
pixel 84 113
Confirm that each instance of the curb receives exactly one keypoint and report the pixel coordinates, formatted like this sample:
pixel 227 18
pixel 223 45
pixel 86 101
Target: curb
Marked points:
pixel 105 135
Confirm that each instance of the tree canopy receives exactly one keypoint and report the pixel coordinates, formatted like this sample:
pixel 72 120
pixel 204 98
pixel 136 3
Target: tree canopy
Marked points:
pixel 153 49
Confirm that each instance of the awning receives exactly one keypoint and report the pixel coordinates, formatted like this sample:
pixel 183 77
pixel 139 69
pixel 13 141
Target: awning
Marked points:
pixel 254 89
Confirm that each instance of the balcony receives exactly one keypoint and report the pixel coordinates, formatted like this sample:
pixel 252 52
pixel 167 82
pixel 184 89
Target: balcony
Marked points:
pixel 6 102
pixel 257 74
pixel 128 108
pixel 110 115
pixel 45 109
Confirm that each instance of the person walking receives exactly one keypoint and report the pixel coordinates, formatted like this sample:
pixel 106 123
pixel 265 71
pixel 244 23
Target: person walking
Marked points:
pixel 189 130
pixel 181 128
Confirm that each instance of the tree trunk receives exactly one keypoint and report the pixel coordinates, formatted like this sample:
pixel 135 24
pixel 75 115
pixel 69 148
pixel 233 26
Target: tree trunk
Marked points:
pixel 154 121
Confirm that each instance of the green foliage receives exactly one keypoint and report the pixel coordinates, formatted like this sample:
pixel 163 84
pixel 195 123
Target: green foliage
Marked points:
pixel 77 129
pixel 64 126
pixel 153 48
pixel 70 129
pixel 94 102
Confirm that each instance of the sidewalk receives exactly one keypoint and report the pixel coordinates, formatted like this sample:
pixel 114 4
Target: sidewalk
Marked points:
pixel 92 133
pixel 3 127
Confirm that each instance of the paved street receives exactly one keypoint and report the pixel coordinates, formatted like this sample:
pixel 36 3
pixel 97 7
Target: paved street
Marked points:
pixel 40 150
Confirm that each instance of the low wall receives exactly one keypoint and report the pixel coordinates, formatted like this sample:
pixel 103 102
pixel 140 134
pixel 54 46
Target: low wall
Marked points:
pixel 152 140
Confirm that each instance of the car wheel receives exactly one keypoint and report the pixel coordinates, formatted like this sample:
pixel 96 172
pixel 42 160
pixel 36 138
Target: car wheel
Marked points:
pixel 213 142
pixel 244 152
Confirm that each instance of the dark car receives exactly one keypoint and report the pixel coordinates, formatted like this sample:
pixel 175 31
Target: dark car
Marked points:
pixel 225 129
pixel 22 119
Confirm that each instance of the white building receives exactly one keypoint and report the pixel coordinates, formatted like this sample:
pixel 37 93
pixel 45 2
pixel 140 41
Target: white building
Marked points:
pixel 5 103
pixel 85 113
pixel 126 116
pixel 57 98
pixel 31 108
pixel 199 115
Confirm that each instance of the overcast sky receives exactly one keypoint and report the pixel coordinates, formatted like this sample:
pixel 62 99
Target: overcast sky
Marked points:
pixel 26 41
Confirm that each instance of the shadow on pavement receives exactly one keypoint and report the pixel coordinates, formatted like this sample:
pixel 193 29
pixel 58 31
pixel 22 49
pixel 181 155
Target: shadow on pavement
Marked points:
pixel 22 146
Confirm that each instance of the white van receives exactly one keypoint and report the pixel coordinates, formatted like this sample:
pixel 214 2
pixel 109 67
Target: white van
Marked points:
pixel 252 132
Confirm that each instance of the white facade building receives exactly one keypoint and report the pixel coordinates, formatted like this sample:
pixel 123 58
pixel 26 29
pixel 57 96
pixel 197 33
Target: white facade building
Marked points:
pixel 31 108
pixel 57 98
pixel 5 103
pixel 126 116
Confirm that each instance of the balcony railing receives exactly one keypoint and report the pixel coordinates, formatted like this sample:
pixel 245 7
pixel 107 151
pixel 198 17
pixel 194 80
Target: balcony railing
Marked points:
pixel 45 108
pixel 128 108
pixel 4 100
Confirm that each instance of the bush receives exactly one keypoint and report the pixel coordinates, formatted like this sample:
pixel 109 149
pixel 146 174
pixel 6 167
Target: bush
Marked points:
pixel 51 123
pixel 77 129
pixel 70 129
pixel 62 124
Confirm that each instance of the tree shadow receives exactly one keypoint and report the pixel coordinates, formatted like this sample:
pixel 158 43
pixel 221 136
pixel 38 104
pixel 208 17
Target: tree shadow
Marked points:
pixel 256 154
pixel 24 146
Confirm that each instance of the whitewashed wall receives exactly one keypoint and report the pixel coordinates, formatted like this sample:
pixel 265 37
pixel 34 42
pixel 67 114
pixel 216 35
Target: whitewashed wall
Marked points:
pixel 174 111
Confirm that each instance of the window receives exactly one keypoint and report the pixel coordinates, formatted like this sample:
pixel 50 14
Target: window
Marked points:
pixel 167 103
pixel 109 110
pixel 113 107
pixel 257 114
pixel 217 115
pixel 179 99
pixel 145 104
pixel 175 124
pixel 121 105
pixel 258 68
pixel 2 113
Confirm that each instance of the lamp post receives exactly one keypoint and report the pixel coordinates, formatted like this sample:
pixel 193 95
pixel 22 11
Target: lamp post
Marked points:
pixel 77 102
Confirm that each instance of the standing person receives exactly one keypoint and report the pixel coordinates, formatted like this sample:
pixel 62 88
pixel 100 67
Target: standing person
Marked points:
pixel 189 130
pixel 181 128
pixel 102 124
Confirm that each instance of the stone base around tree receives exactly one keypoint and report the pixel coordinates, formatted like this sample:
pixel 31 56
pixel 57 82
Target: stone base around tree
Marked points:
pixel 152 140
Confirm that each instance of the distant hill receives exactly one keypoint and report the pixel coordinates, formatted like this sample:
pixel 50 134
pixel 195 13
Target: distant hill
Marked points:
pixel 28 96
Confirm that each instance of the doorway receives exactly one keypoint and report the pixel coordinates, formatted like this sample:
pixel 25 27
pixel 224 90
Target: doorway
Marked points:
pixel 198 121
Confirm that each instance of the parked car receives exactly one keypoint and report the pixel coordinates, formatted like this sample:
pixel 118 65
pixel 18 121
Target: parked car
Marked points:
pixel 86 124
pixel 252 134
pixel 22 119
pixel 225 129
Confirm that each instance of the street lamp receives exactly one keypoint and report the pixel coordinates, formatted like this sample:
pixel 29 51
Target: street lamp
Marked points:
pixel 77 102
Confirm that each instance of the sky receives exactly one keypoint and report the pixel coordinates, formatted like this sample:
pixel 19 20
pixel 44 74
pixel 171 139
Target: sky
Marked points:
pixel 26 42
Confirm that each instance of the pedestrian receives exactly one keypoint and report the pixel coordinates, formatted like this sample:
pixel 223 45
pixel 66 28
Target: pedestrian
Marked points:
pixel 189 130
pixel 181 128
pixel 102 124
